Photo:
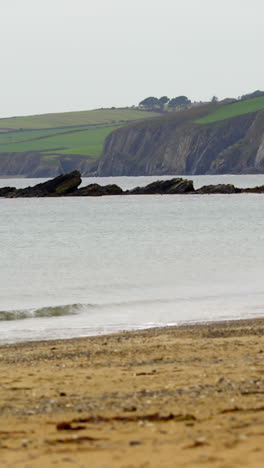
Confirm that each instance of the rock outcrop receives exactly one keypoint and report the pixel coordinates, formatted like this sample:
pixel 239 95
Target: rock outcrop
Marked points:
pixel 164 187
pixel 7 191
pixel 67 185
pixel 96 190
pixel 259 189
pixel 228 188
pixel 60 186
pixel 218 188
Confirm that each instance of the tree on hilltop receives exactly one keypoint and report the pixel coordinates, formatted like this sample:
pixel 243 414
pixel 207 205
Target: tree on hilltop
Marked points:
pixel 214 99
pixel 179 101
pixel 150 102
pixel 163 100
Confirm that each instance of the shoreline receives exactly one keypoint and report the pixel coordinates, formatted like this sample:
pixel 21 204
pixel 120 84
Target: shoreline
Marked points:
pixel 181 325
pixel 170 396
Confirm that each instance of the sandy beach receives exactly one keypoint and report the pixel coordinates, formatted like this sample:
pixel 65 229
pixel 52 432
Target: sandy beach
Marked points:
pixel 186 396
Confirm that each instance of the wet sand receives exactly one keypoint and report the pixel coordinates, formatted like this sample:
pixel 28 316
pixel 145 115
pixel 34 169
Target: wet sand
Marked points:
pixel 170 397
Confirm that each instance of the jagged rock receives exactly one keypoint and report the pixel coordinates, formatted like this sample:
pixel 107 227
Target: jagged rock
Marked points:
pixel 163 187
pixel 218 188
pixel 58 187
pixel 96 190
pixel 7 191
pixel 67 185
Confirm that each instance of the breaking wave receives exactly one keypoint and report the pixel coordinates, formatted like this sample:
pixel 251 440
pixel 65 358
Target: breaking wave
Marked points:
pixel 74 309
pixel 139 308
pixel 54 311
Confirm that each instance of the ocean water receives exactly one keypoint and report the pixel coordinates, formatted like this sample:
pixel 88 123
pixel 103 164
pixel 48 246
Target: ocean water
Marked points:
pixel 84 266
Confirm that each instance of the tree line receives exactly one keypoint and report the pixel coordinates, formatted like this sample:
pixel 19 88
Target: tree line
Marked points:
pixel 164 102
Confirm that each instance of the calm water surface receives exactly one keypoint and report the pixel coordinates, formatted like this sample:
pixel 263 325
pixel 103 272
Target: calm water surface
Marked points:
pixel 83 266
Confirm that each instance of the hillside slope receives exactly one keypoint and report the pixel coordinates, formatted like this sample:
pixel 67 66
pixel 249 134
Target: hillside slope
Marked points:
pixel 203 140
pixel 50 144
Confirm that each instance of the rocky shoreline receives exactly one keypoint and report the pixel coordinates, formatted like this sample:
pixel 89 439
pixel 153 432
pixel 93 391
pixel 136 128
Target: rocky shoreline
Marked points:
pixel 68 185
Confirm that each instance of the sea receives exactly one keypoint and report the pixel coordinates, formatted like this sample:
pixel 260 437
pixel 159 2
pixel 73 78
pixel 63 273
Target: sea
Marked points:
pixel 75 267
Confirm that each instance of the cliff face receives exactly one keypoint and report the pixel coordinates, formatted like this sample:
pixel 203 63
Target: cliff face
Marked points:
pixel 168 146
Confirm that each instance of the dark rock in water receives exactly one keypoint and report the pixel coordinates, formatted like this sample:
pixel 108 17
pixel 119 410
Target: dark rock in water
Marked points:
pixel 163 187
pixel 7 191
pixel 218 188
pixel 96 190
pixel 259 189
pixel 67 185
pixel 181 186
pixel 58 187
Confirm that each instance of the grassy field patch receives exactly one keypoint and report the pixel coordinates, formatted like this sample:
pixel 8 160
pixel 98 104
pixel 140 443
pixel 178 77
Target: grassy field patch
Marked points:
pixel 85 141
pixel 232 110
pixel 69 119
pixel 81 133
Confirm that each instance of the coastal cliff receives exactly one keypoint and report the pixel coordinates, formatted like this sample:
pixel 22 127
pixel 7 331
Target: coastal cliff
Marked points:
pixel 174 145
pixel 207 138
pixel 36 164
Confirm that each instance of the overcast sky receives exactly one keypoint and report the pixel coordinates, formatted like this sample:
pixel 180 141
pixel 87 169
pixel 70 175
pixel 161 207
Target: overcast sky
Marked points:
pixel 60 55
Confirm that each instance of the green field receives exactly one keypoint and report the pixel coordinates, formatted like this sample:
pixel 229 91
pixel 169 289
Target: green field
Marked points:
pixel 87 141
pixel 74 119
pixel 81 133
pixel 232 110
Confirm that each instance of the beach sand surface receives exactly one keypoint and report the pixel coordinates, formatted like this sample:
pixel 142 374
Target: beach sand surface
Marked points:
pixel 170 397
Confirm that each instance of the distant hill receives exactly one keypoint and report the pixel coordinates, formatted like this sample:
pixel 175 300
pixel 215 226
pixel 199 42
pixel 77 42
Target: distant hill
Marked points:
pixel 48 144
pixel 206 138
